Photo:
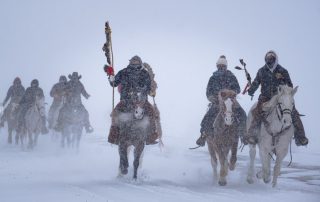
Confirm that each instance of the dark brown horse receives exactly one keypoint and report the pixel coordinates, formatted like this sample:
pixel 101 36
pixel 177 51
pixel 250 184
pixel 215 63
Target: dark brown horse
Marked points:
pixel 225 136
pixel 134 125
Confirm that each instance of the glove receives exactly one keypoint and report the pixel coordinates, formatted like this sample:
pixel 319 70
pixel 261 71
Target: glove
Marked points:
pixel 153 93
pixel 109 70
pixel 111 78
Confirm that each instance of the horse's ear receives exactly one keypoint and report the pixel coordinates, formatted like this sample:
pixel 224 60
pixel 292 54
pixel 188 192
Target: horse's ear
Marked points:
pixel 294 90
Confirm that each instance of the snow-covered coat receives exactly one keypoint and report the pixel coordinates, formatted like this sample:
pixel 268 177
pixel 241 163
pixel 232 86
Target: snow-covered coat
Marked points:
pixel 270 79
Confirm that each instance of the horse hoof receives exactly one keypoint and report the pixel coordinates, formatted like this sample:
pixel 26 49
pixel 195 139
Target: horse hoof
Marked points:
pixel 250 180
pixel 124 171
pixel 232 166
pixel 222 183
pixel 266 180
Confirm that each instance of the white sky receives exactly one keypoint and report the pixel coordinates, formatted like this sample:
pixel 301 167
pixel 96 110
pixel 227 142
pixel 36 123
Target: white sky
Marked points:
pixel 180 39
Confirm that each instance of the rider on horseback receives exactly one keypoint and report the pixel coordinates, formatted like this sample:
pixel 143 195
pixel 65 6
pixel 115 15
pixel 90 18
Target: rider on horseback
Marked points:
pixel 26 103
pixel 57 92
pixel 15 92
pixel 73 91
pixel 270 76
pixel 221 79
pixel 131 79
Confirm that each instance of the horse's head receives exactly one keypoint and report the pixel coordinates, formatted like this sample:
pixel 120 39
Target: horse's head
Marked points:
pixel 137 101
pixel 284 103
pixel 227 102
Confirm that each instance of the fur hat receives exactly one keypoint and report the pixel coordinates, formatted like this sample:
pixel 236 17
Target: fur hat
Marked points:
pixel 74 76
pixel 222 61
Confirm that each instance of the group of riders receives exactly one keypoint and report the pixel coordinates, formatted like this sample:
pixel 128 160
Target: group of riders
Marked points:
pixel 65 93
pixel 138 76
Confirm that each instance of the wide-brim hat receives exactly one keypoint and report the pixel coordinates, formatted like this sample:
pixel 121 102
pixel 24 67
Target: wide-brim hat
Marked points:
pixel 74 75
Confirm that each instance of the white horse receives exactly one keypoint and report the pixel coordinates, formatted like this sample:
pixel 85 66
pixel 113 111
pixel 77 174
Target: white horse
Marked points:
pixel 275 134
pixel 33 121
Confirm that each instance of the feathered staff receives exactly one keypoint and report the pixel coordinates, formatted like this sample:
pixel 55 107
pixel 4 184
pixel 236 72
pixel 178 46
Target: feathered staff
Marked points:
pixel 107 48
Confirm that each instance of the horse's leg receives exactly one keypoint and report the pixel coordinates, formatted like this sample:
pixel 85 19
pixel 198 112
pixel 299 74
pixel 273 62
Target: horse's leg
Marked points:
pixel 266 161
pixel 252 154
pixel 214 163
pixel 281 152
pixel 137 154
pixel 9 134
pixel 234 150
pixel 30 142
pixel 123 158
pixel 223 168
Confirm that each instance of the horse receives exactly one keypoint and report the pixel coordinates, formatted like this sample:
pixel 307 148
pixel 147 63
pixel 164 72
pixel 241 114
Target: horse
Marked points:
pixel 72 121
pixel 134 127
pixel 33 121
pixel 225 136
pixel 275 134
pixel 12 121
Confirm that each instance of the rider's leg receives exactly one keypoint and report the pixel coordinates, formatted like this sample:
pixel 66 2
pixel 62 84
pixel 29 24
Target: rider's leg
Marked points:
pixel 87 124
pixel 251 136
pixel 114 133
pixel 299 133
pixel 242 117
pixel 207 125
pixel 154 135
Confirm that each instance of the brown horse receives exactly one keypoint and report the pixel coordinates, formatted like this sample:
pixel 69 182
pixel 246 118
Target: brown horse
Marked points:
pixel 225 136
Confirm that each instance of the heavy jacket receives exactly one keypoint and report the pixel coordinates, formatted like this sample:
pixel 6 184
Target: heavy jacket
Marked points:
pixel 270 79
pixel 15 92
pixel 221 79
pixel 58 91
pixel 29 96
pixel 74 90
pixel 132 79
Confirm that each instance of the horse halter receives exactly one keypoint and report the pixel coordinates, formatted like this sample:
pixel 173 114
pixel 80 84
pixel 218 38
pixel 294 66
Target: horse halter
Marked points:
pixel 282 111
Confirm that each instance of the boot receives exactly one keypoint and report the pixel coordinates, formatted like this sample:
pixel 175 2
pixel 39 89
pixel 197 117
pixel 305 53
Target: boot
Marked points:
pixel 201 141
pixel 151 140
pixel 89 128
pixel 299 133
pixel 251 136
pixel 44 129
pixel 114 135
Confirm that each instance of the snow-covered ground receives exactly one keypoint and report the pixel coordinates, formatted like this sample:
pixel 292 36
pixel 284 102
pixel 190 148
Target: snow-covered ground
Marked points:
pixel 174 173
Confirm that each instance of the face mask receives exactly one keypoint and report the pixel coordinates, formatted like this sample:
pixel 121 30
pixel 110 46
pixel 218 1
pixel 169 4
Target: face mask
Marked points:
pixel 270 60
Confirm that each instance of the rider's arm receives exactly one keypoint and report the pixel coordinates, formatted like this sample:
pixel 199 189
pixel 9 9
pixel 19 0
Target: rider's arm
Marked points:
pixel 117 79
pixel 84 92
pixel 235 84
pixel 287 78
pixel 9 94
pixel 212 88
pixel 255 84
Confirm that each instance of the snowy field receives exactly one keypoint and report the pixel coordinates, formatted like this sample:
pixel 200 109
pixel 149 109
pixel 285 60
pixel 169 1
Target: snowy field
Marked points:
pixel 174 173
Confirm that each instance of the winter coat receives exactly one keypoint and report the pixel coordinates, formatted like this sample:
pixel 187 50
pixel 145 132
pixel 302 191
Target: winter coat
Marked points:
pixel 269 81
pixel 132 79
pixel 74 90
pixel 15 92
pixel 57 91
pixel 29 96
pixel 221 79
